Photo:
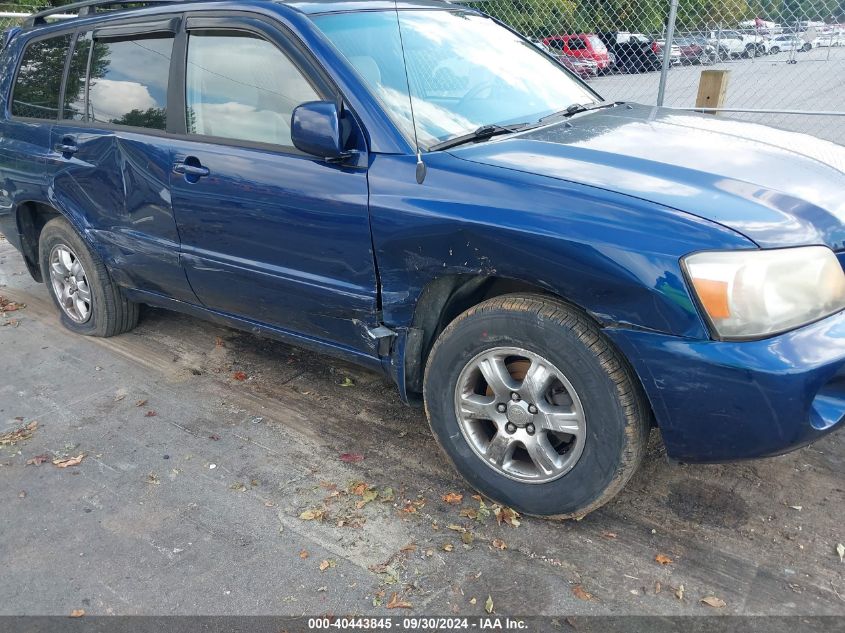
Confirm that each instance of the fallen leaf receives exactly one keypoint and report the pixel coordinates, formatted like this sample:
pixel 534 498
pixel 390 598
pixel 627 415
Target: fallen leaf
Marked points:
pixel 239 375
pixel 472 600
pixel 140 403
pixel 410 547
pixel 313 515
pixel 679 592
pixel 448 547
pixel 663 559
pixel 488 604
pixel 386 494
pixel 66 462
pixel 119 396
pixel 152 478
pixel 581 593
pixel 303 554
pixel 499 544
pixel 453 498
pixel 238 486
pixel 484 512
pixel 218 342
pixel 150 414
pixel 396 603
pixel 18 435
pixel 467 538
pixel 469 513
pixel 214 437
pixel 77 613
pixel 38 460
pixel 713 601
pixel 657 587
pixel 269 504
pixel 506 515
pixel 357 488
pixel 609 535
pixel 22 494
pixel 456 528
pixel 840 549
pixel 327 564
pixel 347 382
pixel 351 458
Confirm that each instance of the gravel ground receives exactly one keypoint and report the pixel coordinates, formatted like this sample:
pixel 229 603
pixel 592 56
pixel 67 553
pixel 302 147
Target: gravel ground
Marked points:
pixel 816 82
pixel 221 475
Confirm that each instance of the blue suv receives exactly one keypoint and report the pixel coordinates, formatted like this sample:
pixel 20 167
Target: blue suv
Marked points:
pixel 418 189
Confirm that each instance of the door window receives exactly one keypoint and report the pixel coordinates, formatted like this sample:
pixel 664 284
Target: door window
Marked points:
pixel 128 84
pixel 240 86
pixel 39 80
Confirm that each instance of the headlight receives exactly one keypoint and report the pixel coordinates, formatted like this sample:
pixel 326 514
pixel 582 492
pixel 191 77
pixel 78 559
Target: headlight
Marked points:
pixel 754 294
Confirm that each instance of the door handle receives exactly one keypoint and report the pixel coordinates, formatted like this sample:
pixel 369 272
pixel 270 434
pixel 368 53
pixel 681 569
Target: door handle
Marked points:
pixel 187 169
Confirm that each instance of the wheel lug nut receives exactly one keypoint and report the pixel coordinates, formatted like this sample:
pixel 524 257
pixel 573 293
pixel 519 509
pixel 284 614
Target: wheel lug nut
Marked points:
pixel 510 427
pixel 515 397
pixel 501 408
pixel 532 409
pixel 530 429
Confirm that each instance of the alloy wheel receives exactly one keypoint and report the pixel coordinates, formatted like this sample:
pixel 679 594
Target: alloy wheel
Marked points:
pixel 520 415
pixel 70 284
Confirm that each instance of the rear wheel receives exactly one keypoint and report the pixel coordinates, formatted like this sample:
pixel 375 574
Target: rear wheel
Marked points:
pixel 534 406
pixel 88 301
pixel 775 50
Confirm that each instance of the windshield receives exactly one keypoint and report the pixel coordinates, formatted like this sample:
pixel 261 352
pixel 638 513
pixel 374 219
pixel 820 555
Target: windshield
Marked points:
pixel 464 70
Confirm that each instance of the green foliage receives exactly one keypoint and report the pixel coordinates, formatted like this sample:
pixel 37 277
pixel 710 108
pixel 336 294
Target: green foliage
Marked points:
pixel 538 18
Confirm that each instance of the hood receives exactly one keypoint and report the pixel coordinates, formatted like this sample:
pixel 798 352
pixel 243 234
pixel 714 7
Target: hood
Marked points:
pixel 776 188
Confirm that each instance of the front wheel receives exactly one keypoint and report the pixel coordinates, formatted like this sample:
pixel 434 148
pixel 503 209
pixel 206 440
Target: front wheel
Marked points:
pixel 535 407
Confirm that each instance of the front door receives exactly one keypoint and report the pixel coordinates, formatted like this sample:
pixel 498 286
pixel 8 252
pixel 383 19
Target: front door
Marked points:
pixel 269 234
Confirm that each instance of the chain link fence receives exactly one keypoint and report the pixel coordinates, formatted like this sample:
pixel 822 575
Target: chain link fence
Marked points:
pixel 786 58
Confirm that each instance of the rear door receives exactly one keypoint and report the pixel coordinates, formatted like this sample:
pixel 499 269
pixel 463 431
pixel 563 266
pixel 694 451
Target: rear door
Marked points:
pixel 111 158
pixel 269 234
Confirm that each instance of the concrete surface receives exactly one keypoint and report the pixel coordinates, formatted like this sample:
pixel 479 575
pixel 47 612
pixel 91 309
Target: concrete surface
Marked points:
pixel 145 525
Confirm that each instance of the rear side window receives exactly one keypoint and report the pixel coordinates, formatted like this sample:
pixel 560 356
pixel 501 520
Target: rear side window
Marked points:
pixel 128 81
pixel 240 86
pixel 39 80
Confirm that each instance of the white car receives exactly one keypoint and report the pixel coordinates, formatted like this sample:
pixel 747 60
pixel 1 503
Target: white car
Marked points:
pixel 783 43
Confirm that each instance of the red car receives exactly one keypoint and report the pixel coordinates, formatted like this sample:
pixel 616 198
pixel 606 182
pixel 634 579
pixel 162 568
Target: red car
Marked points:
pixel 580 46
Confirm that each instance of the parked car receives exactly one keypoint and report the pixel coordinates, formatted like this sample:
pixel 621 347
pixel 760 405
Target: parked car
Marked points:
pixel 584 68
pixel 784 43
pixel 421 192
pixel 695 51
pixel 581 46
pixel 633 52
pixel 674 52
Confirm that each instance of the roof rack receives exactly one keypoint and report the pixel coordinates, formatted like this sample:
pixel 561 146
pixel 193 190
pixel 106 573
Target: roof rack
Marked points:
pixel 86 7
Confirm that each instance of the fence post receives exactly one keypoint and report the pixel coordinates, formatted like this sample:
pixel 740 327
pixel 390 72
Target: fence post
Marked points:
pixel 667 51
pixel 712 88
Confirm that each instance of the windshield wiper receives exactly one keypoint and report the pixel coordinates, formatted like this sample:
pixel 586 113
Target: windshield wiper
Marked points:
pixel 578 108
pixel 481 134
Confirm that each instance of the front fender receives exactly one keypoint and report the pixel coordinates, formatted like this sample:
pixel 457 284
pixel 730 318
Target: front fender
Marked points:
pixel 614 256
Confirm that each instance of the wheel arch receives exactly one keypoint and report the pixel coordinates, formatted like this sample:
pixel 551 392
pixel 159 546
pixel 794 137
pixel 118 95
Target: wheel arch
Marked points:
pixel 446 297
pixel 31 217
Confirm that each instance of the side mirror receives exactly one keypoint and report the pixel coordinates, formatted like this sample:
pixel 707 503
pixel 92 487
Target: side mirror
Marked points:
pixel 315 129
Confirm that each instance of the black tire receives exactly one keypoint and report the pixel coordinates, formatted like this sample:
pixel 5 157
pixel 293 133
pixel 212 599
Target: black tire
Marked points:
pixel 618 417
pixel 110 312
pixel 807 47
pixel 775 50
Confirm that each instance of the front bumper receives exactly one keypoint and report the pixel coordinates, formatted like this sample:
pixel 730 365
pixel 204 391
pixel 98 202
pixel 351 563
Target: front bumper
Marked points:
pixel 721 401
